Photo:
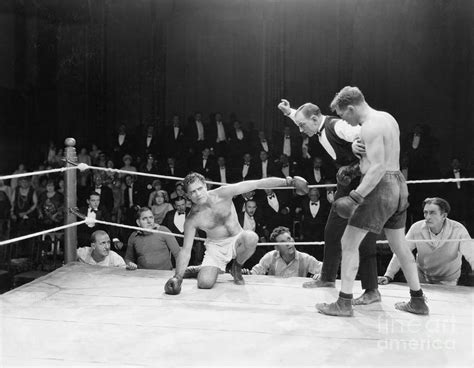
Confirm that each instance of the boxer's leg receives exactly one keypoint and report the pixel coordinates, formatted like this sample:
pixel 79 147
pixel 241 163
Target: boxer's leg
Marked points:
pixel 245 246
pixel 368 271
pixel 207 277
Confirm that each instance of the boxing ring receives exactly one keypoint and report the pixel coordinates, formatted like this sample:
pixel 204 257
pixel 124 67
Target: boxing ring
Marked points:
pixel 81 315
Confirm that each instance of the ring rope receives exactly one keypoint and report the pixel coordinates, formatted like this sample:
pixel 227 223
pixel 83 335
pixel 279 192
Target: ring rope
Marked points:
pixel 83 167
pixel 91 220
pixel 24 237
pixel 41 172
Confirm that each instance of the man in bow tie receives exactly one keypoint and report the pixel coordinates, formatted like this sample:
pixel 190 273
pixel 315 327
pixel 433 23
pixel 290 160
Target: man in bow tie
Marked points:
pixel 94 212
pixel 340 140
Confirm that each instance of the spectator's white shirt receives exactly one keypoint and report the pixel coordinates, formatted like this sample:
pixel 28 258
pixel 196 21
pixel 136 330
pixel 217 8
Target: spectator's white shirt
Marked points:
pixel 200 130
pixel 84 255
pixel 249 222
pixel 223 174
pixel 179 221
pixel 264 168
pixel 121 139
pixel 314 208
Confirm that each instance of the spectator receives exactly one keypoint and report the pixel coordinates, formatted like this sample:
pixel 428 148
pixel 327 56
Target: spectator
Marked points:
pixel 50 206
pixel 21 170
pixel 265 168
pixel 261 143
pixel 105 193
pixel 132 199
pixel 174 139
pixel 5 208
pixel 99 253
pixel 94 154
pixel 218 135
pixel 438 261
pixel 156 188
pixel 161 206
pixel 314 214
pixel 122 144
pixel 247 169
pixel 238 141
pixel 196 133
pixel 150 250
pixel 249 218
pixel 285 260
pixel 127 164
pixel 222 173
pixel 83 157
pixel 93 210
pixel 276 209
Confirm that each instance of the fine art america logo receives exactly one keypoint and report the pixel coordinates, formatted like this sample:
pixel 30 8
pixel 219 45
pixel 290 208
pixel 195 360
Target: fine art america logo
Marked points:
pixel 423 334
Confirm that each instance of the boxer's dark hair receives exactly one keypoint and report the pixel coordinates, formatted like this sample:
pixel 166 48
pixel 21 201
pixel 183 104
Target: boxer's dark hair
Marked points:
pixel 347 96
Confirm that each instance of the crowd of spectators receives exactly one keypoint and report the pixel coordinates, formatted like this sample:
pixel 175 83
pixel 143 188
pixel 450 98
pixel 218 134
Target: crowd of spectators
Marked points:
pixel 222 152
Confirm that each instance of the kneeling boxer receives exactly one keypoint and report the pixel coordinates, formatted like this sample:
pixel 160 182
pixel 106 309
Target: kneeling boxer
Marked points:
pixel 214 212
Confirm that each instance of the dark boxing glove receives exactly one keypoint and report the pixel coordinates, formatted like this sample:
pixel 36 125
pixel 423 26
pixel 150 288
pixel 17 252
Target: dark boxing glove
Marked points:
pixel 173 285
pixel 299 183
pixel 346 206
pixel 346 174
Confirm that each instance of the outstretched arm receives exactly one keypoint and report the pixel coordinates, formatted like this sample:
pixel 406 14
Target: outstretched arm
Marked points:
pixel 297 182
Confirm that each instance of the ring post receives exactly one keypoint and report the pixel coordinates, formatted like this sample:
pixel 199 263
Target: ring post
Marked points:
pixel 70 237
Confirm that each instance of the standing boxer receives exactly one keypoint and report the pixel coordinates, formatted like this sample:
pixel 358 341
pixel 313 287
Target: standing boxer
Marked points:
pixel 337 136
pixel 379 201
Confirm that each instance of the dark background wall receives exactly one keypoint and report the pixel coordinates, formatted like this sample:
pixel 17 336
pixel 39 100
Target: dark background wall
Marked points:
pixel 79 68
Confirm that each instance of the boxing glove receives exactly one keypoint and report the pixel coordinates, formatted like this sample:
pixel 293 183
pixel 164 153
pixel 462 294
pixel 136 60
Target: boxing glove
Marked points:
pixel 346 206
pixel 299 183
pixel 173 285
pixel 346 174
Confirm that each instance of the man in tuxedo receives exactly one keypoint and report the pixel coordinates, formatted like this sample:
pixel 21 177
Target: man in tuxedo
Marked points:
pixel 133 198
pixel 148 144
pixel 314 212
pixel 121 144
pixel 238 141
pixel 94 211
pixel 204 164
pixel 221 172
pixel 265 168
pixel 196 133
pixel 286 143
pixel 218 135
pixel 340 141
pixel 172 167
pixel 317 173
pixel 174 140
pixel 276 209
pixel 105 193
pixel 262 143
pixel 284 167
pixel 247 169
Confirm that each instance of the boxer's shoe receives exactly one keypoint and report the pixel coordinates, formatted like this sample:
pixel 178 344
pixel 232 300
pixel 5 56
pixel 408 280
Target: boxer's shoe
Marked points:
pixel 368 297
pixel 416 305
pixel 341 308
